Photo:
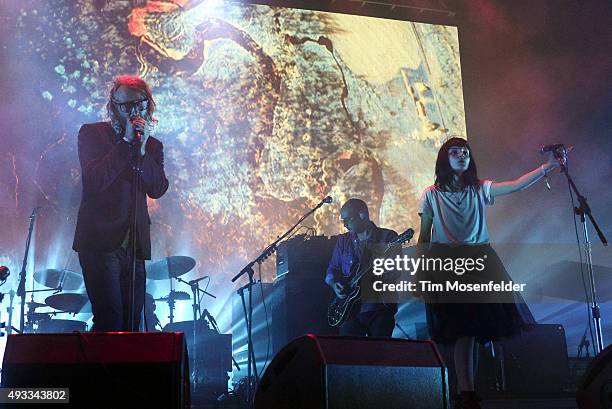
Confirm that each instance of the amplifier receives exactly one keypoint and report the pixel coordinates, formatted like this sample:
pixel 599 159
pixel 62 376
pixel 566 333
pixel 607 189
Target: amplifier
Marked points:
pixel 301 255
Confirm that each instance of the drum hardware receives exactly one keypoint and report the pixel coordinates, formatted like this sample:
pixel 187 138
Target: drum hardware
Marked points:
pixel 32 305
pixel 174 296
pixel 60 325
pixel 74 303
pixel 198 293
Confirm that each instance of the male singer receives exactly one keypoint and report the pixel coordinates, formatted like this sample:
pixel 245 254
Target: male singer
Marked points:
pixel 121 164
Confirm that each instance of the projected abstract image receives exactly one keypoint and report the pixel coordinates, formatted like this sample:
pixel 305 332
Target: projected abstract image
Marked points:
pixel 263 111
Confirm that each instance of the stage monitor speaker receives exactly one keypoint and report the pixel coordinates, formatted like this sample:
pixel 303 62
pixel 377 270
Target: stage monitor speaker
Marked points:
pixel 595 391
pixel 109 370
pixel 332 372
pixel 533 364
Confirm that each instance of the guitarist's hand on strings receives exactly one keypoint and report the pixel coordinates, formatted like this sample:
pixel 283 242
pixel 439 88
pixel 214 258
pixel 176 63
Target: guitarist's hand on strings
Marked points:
pixel 339 289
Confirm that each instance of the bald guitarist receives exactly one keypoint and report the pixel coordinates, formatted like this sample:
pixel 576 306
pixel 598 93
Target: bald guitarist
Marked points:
pixel 351 251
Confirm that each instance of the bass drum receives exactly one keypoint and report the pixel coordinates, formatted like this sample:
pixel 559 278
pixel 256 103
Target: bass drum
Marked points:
pixel 204 331
pixel 57 325
pixel 187 327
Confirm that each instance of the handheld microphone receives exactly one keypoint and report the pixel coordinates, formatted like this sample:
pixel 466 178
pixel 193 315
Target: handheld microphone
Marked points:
pixel 137 131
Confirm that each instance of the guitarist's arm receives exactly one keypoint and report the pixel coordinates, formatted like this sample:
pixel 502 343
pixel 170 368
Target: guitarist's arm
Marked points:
pixel 333 277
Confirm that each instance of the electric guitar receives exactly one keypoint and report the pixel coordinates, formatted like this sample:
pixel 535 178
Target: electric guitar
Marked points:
pixel 339 308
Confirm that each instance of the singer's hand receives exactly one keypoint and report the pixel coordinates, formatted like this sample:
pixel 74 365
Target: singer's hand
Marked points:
pixel 553 161
pixel 137 123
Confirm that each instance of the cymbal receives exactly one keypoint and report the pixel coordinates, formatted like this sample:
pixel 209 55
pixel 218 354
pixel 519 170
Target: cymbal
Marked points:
pixel 170 267
pixel 175 296
pixel 69 302
pixel 563 280
pixel 51 278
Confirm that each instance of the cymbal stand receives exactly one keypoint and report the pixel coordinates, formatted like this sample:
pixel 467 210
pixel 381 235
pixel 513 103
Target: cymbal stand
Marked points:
pixel 170 298
pixel 21 289
pixel 9 326
pixel 197 314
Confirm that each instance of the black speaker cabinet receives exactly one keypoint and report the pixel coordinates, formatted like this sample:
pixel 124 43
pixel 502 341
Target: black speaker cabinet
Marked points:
pixel 595 390
pixel 300 296
pixel 334 372
pixel 531 365
pixel 109 370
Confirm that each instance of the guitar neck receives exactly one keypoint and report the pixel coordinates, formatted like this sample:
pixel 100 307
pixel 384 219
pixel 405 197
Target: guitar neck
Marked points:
pixel 364 271
pixel 401 239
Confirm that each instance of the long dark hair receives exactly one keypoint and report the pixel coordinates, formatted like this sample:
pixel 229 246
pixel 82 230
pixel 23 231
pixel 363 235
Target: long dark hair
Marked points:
pixel 444 173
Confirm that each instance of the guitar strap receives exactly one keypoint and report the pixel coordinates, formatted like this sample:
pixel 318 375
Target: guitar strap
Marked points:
pixel 365 255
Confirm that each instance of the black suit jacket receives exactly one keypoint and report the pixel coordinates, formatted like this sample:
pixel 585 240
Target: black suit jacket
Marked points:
pixel 105 213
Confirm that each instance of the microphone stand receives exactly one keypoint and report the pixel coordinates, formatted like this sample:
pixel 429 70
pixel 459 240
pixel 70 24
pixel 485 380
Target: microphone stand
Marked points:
pixel 584 210
pixel 136 189
pixel 248 269
pixel 21 291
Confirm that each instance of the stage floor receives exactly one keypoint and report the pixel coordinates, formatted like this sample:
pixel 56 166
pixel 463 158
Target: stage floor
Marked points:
pixel 558 403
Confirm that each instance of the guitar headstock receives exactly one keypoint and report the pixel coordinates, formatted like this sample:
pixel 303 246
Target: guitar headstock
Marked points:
pixel 404 237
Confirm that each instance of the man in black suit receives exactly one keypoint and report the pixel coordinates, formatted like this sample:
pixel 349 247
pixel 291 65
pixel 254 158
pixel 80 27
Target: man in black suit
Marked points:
pixel 121 165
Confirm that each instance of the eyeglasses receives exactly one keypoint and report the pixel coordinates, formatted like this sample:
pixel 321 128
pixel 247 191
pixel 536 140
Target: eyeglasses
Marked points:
pixel 456 151
pixel 128 106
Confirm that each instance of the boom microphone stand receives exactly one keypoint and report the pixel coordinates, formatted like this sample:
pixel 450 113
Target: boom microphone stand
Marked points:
pixel 584 210
pixel 248 269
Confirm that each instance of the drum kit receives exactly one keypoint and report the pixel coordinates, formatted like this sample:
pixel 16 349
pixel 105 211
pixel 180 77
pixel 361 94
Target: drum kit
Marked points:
pixel 72 302
pixel 57 280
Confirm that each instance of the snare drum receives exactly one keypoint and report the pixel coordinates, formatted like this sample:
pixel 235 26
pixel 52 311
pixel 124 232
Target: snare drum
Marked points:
pixel 57 325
